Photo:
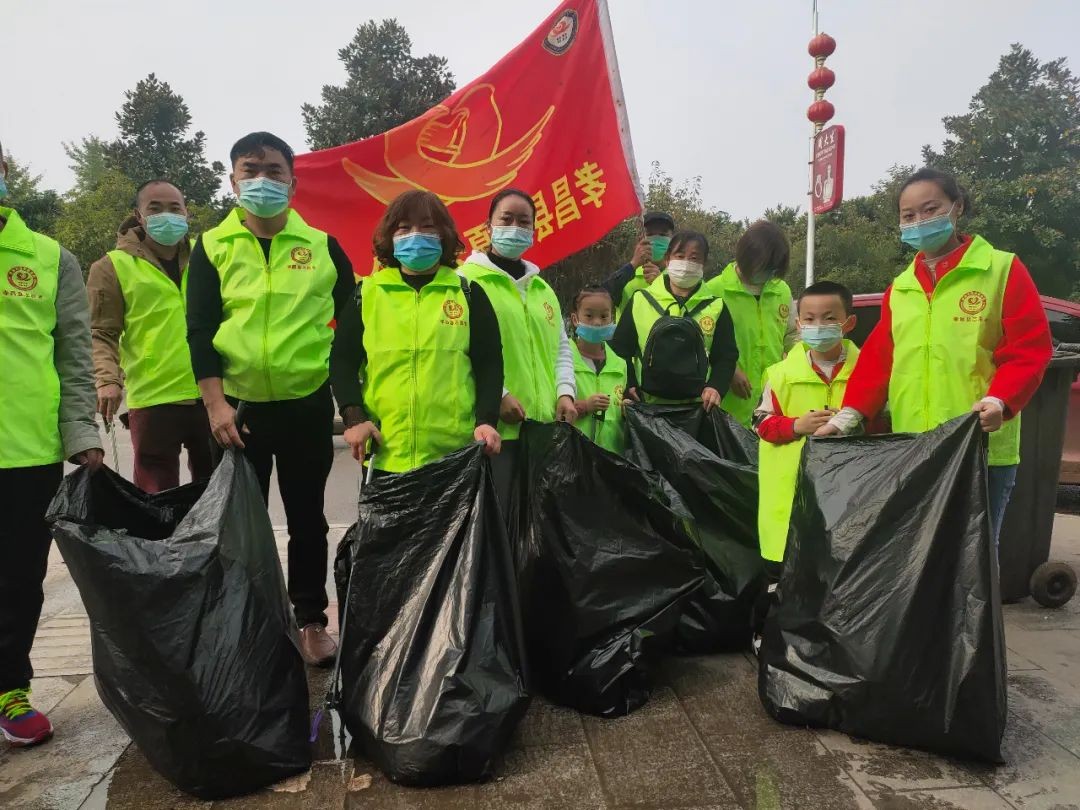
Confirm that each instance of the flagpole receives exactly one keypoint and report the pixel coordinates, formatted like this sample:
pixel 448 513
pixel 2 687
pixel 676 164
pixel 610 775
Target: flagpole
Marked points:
pixel 810 224
pixel 615 80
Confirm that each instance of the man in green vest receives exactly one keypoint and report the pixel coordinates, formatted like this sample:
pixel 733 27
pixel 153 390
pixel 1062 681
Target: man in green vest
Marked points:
pixel 139 331
pixel 647 262
pixel 760 303
pixel 263 289
pixel 47 404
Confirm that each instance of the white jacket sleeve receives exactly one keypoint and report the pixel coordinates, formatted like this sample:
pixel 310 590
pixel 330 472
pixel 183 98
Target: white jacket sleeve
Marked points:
pixel 565 384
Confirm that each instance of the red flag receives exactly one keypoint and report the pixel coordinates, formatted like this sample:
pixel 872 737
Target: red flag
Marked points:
pixel 548 118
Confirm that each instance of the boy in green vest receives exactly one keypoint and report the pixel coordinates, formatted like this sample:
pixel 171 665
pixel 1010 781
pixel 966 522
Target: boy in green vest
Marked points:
pixel 47 405
pixel 800 394
pixel 760 304
pixel 599 372
pixel 139 331
pixel 263 288
pixel 646 264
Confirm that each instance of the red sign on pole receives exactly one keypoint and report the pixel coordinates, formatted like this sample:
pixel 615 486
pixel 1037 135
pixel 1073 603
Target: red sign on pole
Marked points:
pixel 828 169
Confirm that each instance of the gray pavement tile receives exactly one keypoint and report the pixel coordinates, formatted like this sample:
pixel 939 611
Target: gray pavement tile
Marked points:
pixel 719 694
pixel 542 777
pixel 321 788
pixel 548 724
pixel 654 758
pixel 134 785
pixel 1038 773
pixel 1017 662
pixel 965 798
pixel 59 774
pixel 1048 704
pixel 788 770
pixel 878 768
pixel 1056 652
pixel 47 692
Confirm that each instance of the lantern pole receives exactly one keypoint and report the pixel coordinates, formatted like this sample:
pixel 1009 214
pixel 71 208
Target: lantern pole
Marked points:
pixel 814 128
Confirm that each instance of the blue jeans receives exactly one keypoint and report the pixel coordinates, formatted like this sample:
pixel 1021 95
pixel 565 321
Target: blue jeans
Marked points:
pixel 1000 481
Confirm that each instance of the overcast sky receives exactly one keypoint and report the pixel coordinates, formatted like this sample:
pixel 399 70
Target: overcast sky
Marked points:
pixel 714 88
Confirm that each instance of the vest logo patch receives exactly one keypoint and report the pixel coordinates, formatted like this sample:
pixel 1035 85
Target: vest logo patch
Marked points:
pixel 452 309
pixel 302 257
pixel 785 310
pixel 707 325
pixel 549 312
pixel 617 394
pixel 972 303
pixel 562 34
pixel 22 278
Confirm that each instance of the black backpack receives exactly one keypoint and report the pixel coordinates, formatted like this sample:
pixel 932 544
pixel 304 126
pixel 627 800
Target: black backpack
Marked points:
pixel 674 364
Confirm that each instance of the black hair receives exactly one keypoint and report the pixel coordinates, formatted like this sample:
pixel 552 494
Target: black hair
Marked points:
pixel 683 238
pixel 255 142
pixel 650 219
pixel 829 288
pixel 763 246
pixel 153 182
pixel 591 289
pixel 943 180
pixel 510 192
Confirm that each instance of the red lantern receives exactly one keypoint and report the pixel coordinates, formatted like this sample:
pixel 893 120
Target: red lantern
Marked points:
pixel 822 46
pixel 821 79
pixel 820 111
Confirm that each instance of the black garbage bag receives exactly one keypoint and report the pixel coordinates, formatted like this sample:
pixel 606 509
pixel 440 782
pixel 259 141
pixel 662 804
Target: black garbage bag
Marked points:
pixel 606 566
pixel 888 623
pixel 432 654
pixel 194 644
pixel 710 460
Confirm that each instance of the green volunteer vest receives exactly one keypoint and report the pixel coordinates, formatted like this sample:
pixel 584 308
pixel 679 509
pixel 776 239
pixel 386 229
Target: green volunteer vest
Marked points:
pixel 606 432
pixel 760 326
pixel 29 383
pixel 153 346
pixel 419 387
pixel 275 333
pixel 530 330
pixel 943 348
pixel 799 390
pixel 645 315
pixel 638 282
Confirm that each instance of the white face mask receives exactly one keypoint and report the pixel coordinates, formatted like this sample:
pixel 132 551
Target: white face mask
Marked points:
pixel 685 274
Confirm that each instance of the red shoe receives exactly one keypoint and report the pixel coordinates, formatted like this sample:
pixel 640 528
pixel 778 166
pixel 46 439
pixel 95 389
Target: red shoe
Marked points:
pixel 21 723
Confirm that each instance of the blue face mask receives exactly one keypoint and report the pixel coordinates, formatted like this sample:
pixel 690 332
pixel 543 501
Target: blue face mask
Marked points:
pixel 166 228
pixel 822 337
pixel 511 241
pixel 659 245
pixel 263 197
pixel 418 251
pixel 595 334
pixel 929 234
pixel 3 187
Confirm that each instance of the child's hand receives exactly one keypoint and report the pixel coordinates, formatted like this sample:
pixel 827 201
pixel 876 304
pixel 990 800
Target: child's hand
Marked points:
pixel 740 384
pixel 597 402
pixel 809 423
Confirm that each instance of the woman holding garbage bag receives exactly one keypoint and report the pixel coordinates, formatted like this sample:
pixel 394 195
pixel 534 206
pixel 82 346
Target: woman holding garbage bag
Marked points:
pixel 433 378
pixel 599 372
pixel 538 366
pixel 962 329
pixel 681 332
pixel 760 304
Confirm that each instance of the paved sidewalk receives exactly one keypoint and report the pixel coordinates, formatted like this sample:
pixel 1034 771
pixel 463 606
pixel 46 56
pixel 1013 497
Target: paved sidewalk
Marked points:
pixel 702 742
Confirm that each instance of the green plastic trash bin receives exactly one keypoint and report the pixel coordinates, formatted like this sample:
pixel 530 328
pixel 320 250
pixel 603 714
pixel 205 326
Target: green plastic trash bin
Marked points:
pixel 1028 527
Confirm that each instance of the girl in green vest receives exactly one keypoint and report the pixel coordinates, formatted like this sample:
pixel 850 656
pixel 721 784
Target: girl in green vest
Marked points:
pixel 962 329
pixel 538 366
pixel 433 376
pixel 599 372
pixel 760 304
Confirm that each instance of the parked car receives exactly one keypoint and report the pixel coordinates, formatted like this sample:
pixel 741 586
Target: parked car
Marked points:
pixel 1064 317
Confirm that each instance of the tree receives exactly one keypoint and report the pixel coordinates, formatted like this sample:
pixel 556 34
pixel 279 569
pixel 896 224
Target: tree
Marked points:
pixel 153 123
pixel 89 160
pixel 1018 149
pixel 385 86
pixel 87 227
pixel 38 207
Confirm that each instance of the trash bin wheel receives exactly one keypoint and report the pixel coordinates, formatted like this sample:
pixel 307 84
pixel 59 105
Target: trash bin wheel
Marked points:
pixel 1053 584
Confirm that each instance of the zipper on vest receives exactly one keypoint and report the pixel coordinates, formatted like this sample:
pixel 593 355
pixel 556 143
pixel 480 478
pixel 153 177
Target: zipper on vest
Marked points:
pixel 415 378
pixel 266 319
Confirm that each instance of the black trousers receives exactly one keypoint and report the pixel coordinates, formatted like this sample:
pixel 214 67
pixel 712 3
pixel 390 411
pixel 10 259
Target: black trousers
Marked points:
pixel 25 493
pixel 297 436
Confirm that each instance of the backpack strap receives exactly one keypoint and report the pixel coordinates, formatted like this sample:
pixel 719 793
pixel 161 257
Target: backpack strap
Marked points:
pixel 699 306
pixel 466 288
pixel 654 303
